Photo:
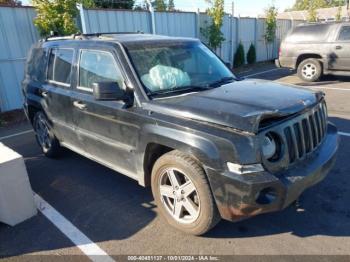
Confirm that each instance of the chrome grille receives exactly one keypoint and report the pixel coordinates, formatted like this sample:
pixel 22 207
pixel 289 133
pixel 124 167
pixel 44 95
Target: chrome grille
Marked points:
pixel 306 134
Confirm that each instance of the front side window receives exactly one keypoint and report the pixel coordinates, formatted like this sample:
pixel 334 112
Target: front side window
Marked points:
pixel 97 66
pixel 344 34
pixel 177 67
pixel 60 65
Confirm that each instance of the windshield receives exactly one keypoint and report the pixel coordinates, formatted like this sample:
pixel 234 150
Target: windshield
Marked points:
pixel 166 68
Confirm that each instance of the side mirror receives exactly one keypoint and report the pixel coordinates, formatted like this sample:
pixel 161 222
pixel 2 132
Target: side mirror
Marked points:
pixel 108 91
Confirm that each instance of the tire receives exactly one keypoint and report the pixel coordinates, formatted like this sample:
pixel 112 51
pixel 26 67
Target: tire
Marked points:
pixel 45 137
pixel 310 70
pixel 197 209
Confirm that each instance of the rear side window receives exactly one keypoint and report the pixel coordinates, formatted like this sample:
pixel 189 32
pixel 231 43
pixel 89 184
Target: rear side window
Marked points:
pixel 344 34
pixel 36 64
pixel 98 66
pixel 309 33
pixel 60 65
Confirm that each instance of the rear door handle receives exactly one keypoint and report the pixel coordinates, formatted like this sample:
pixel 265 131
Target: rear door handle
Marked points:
pixel 80 105
pixel 338 47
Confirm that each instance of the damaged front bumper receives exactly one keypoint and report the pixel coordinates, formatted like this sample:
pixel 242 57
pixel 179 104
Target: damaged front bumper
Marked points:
pixel 242 196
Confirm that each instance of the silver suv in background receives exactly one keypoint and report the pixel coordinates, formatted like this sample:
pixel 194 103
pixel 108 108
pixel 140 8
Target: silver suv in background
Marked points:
pixel 315 49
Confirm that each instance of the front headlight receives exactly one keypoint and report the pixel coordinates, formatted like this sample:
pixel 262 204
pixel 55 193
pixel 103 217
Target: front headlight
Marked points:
pixel 272 147
pixel 269 146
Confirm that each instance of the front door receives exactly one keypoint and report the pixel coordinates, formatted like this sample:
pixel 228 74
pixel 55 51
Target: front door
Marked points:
pixel 340 51
pixel 107 129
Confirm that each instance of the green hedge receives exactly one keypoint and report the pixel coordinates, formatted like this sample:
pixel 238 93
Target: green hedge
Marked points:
pixel 239 58
pixel 251 55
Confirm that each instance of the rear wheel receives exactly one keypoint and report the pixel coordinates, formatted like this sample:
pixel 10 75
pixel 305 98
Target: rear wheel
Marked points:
pixel 182 193
pixel 310 70
pixel 44 136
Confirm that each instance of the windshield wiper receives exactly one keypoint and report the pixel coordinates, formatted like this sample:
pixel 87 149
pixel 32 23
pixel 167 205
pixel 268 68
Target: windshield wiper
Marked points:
pixel 179 90
pixel 222 81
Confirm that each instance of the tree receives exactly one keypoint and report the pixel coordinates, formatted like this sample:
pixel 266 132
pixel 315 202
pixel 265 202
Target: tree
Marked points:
pixel 312 14
pixel 239 58
pixel 116 4
pixel 338 16
pixel 316 4
pixel 57 16
pixel 271 25
pixel 251 55
pixel 159 5
pixel 171 5
pixel 213 32
pixel 143 6
pixel 11 2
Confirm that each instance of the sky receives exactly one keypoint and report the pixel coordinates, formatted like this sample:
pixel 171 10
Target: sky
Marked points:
pixel 241 7
pixel 251 8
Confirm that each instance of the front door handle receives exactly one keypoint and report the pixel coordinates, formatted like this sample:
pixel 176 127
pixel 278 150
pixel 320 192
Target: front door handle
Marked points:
pixel 338 47
pixel 44 93
pixel 80 105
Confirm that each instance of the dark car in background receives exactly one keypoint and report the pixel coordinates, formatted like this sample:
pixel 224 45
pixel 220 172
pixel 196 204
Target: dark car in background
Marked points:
pixel 168 113
pixel 317 49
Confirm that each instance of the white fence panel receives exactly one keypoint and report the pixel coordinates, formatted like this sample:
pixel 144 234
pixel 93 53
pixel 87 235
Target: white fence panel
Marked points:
pixel 17 34
pixel 104 20
pixel 226 51
pixel 228 30
pixel 261 49
pixel 176 24
pixel 247 32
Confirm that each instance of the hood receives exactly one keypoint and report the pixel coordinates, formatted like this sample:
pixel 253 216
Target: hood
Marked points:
pixel 240 105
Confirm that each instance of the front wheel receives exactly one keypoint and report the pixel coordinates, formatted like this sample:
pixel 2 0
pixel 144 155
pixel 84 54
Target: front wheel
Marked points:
pixel 310 70
pixel 44 136
pixel 182 193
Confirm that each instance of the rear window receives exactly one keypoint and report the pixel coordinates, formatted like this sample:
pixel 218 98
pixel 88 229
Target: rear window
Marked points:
pixel 308 33
pixel 36 63
pixel 60 65
pixel 344 34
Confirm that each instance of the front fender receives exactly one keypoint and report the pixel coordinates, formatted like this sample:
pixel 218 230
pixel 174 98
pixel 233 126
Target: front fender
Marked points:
pixel 199 147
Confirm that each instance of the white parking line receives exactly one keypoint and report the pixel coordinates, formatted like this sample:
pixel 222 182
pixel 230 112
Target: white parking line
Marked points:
pixel 329 88
pixel 263 72
pixel 17 134
pixel 89 248
pixel 344 134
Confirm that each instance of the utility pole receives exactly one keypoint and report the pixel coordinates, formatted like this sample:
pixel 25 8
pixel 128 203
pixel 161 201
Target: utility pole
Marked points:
pixel 233 8
pixel 232 52
pixel 153 20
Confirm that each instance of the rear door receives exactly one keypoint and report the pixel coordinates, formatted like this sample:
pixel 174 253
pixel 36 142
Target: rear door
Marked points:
pixel 56 93
pixel 340 50
pixel 107 129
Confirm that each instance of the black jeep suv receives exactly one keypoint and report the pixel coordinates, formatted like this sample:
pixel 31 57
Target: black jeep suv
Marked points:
pixel 168 113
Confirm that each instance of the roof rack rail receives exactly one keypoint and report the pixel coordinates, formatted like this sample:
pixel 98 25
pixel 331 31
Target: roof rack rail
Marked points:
pixel 323 22
pixel 82 36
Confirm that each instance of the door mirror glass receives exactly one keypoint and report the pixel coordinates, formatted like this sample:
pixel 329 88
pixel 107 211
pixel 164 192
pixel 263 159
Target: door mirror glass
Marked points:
pixel 108 91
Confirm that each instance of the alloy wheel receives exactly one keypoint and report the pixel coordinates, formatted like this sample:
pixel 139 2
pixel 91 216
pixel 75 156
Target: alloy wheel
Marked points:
pixel 179 196
pixel 309 71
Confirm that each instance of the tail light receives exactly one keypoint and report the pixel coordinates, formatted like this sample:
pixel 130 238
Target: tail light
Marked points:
pixel 280 51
